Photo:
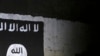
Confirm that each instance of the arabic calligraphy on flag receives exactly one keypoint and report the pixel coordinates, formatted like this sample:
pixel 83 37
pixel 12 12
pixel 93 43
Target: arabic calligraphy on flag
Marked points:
pixel 12 26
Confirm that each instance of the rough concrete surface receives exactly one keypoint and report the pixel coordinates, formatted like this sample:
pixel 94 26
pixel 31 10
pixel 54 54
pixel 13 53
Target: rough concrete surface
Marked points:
pixel 61 37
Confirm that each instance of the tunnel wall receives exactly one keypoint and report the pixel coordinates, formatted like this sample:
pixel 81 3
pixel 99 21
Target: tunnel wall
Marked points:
pixel 61 37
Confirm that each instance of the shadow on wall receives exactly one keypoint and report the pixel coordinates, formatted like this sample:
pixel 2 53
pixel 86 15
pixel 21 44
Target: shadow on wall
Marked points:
pixel 64 9
pixel 92 50
pixel 93 46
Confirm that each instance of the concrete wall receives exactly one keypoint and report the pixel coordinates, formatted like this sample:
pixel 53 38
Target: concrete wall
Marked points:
pixel 61 37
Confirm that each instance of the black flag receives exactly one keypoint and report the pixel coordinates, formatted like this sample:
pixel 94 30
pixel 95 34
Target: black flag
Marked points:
pixel 28 33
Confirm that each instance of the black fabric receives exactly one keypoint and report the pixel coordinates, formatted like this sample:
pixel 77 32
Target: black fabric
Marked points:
pixel 33 41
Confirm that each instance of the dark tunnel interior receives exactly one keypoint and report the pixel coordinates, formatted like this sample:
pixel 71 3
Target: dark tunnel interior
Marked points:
pixel 74 10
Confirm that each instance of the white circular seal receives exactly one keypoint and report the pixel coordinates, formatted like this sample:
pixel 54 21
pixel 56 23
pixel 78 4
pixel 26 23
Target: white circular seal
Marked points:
pixel 16 50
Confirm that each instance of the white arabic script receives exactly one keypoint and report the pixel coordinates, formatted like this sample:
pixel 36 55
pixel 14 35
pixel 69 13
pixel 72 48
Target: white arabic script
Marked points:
pixel 11 27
